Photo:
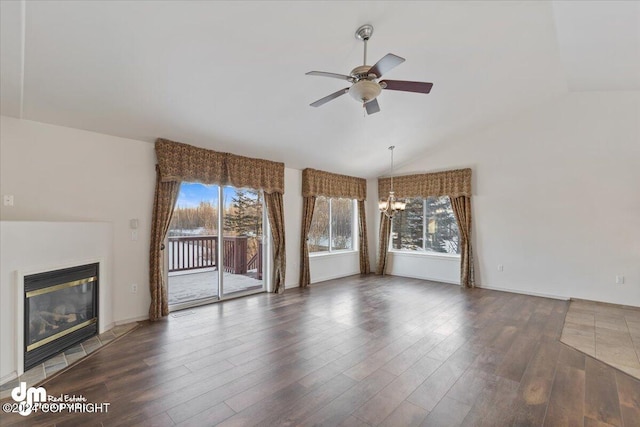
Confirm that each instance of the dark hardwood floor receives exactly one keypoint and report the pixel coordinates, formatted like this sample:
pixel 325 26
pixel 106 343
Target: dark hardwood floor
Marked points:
pixel 358 351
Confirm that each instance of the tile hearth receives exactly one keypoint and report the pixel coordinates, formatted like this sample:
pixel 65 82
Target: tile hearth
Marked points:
pixel 65 359
pixel 607 332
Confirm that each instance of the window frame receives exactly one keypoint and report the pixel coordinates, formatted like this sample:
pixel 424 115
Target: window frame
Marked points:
pixel 424 252
pixel 354 232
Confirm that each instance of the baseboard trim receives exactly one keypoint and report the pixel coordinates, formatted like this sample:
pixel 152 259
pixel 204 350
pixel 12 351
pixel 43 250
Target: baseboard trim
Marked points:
pixel 518 291
pixel 431 279
pixel 130 320
pixel 337 276
pixel 108 327
pixel 609 304
pixel 12 376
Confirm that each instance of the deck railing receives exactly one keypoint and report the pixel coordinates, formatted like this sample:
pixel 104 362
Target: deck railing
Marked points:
pixel 195 252
pixel 255 263
pixel 192 252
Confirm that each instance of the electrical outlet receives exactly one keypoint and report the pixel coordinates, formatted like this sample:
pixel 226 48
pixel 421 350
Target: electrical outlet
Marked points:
pixel 134 288
pixel 619 280
pixel 7 200
pixel 500 267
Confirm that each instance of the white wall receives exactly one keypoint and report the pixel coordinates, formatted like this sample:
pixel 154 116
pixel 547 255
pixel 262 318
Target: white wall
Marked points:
pixel 373 222
pixel 35 247
pixel 556 198
pixel 63 174
pixel 292 200
pixel 439 268
pixel 332 266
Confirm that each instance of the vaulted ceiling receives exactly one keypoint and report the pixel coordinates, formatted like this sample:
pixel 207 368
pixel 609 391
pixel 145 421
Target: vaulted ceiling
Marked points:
pixel 231 75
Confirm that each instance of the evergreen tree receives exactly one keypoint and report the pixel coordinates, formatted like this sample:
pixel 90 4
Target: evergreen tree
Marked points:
pixel 408 225
pixel 244 216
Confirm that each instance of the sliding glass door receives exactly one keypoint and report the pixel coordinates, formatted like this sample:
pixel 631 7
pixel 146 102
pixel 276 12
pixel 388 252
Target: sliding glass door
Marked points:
pixel 215 245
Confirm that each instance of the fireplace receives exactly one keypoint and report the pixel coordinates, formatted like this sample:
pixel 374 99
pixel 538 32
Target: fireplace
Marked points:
pixel 60 311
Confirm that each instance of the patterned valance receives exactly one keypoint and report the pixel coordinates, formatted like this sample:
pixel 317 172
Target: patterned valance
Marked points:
pixel 320 183
pixel 182 162
pixel 453 183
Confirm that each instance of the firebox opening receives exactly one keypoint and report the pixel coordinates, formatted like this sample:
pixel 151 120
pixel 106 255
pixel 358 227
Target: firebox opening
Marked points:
pixel 61 310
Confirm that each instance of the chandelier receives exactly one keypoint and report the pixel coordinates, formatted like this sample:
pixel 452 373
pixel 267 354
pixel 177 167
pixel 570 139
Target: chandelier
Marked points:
pixel 392 205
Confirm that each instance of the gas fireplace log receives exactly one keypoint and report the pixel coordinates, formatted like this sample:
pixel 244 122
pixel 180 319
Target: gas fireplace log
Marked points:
pixel 40 326
pixel 69 318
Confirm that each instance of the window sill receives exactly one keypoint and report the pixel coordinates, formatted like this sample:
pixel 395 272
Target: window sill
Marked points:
pixel 435 255
pixel 334 253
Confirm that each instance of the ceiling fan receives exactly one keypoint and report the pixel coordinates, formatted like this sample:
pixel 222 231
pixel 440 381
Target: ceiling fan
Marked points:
pixel 366 87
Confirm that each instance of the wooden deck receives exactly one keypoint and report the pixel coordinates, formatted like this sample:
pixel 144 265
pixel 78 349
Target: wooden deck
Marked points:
pixel 197 284
pixel 357 351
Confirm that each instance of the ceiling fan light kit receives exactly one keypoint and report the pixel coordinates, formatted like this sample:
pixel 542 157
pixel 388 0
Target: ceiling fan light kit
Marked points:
pixel 365 91
pixel 365 87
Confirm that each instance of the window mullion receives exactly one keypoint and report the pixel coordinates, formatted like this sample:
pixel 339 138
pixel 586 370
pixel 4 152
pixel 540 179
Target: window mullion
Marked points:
pixel 355 226
pixel 424 224
pixel 330 226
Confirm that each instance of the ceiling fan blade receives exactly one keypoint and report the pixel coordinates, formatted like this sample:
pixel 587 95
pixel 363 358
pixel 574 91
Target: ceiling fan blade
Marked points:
pixel 387 62
pixel 406 86
pixel 325 74
pixel 372 106
pixel 328 98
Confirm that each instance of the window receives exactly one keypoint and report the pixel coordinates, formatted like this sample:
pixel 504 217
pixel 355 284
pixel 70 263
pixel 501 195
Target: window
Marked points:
pixel 332 225
pixel 426 225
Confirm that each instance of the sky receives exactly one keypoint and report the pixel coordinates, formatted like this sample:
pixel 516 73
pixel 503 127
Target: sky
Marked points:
pixel 192 193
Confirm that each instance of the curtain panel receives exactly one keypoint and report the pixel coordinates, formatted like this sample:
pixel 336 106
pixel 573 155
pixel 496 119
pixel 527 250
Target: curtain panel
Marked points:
pixel 383 248
pixel 164 200
pixel 275 212
pixel 453 183
pixel 320 183
pixel 308 204
pixel 462 209
pixel 182 162
pixel 365 268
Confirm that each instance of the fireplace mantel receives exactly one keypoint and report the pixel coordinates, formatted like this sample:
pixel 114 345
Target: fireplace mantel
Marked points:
pixel 31 247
